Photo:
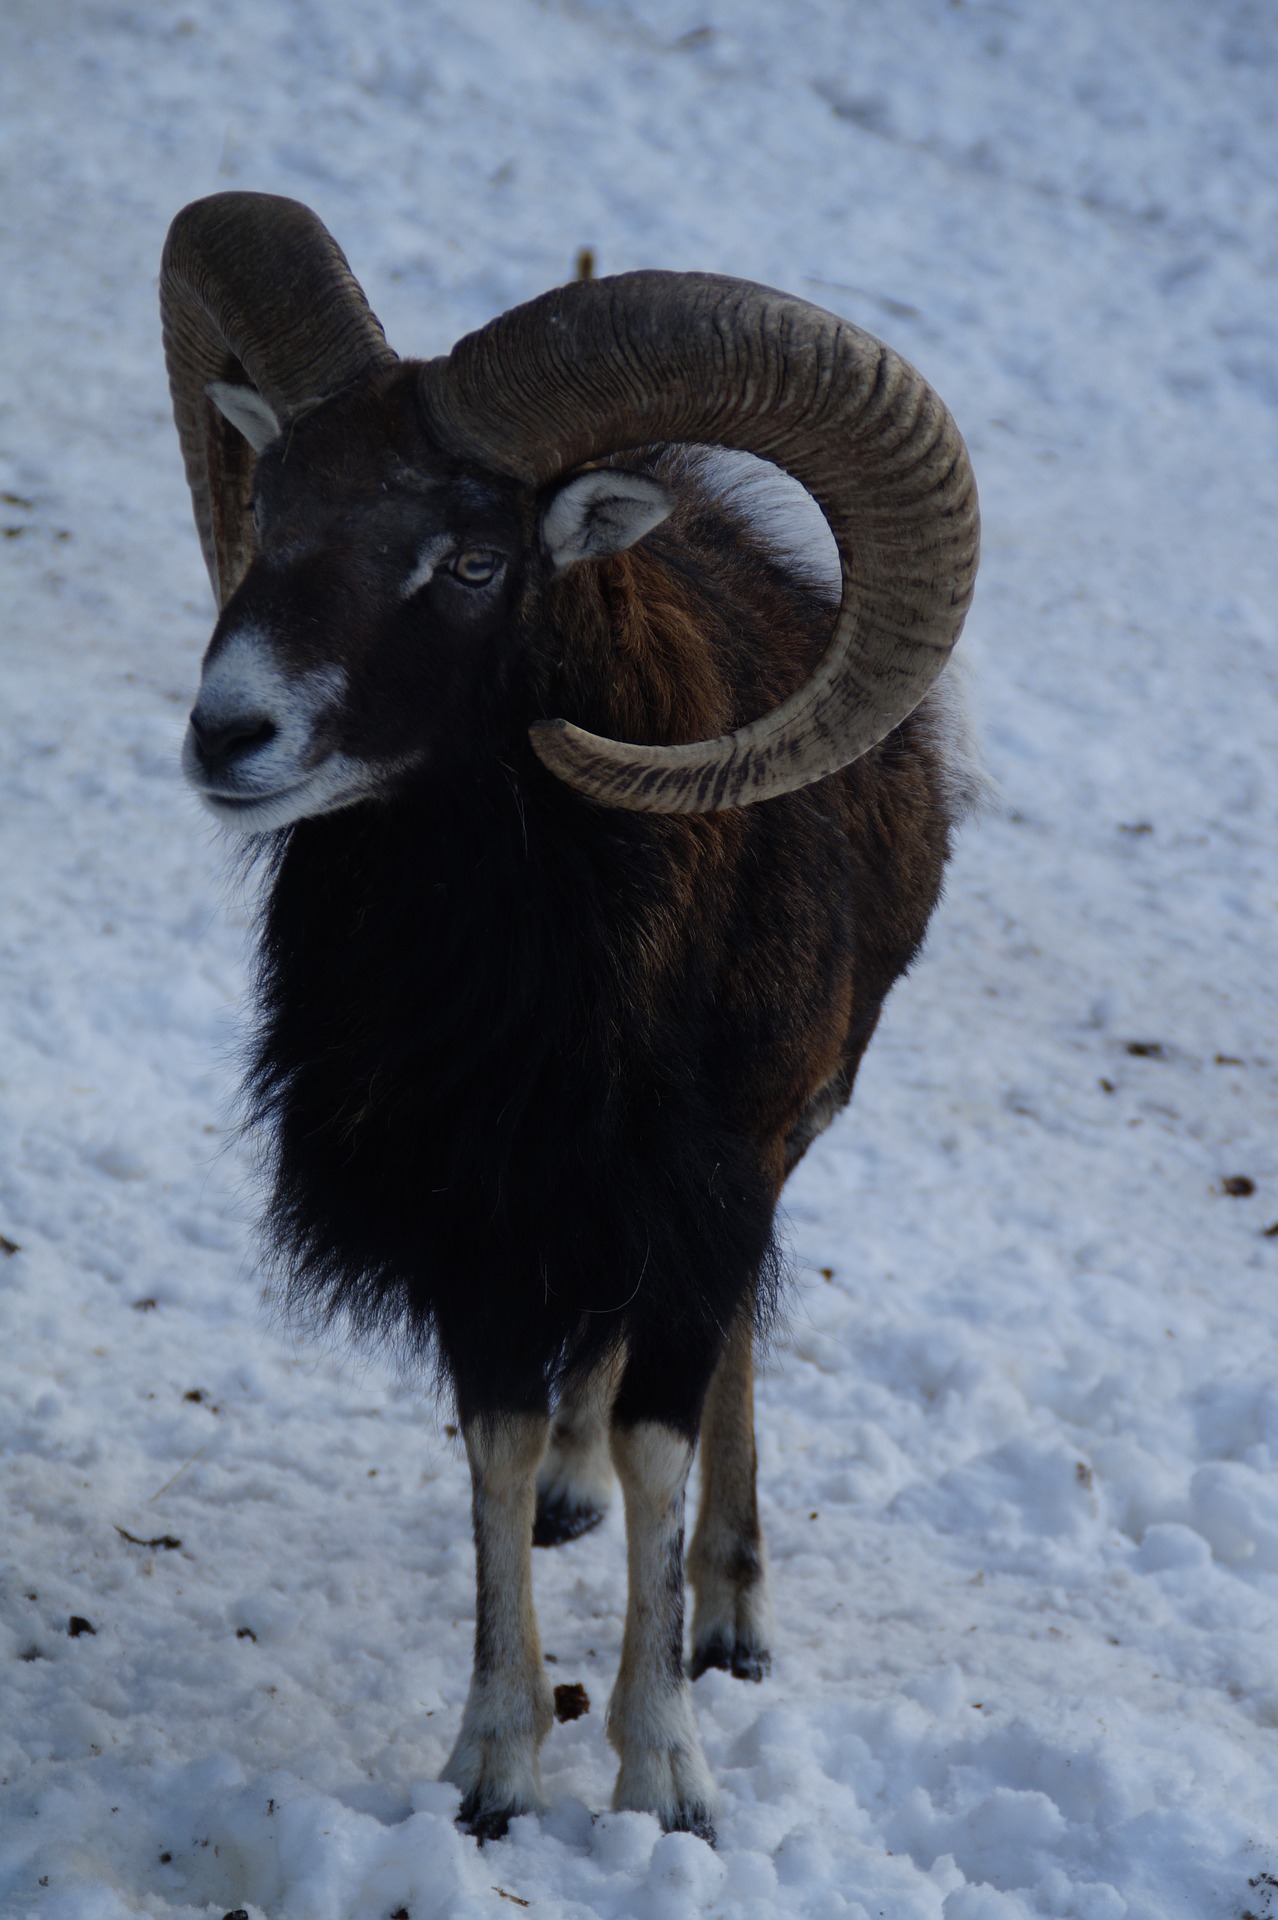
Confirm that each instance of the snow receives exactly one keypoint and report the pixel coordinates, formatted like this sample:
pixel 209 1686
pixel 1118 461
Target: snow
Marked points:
pixel 1019 1446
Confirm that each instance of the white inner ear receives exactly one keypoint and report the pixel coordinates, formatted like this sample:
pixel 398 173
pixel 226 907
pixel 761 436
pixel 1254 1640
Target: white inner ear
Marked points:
pixel 601 513
pixel 246 410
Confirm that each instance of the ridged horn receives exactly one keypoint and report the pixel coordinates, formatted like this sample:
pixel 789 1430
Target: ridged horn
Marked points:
pixel 598 366
pixel 253 289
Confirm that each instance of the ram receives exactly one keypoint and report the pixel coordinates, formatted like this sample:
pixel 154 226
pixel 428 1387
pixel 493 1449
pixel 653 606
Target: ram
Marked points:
pixel 596 833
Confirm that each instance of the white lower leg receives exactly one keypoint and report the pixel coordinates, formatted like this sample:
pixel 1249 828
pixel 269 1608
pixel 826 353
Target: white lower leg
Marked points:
pixel 650 1719
pixel 732 1623
pixel 509 1709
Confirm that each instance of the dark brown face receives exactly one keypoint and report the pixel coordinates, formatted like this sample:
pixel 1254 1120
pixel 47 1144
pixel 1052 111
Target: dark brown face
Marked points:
pixel 376 629
pixel 383 582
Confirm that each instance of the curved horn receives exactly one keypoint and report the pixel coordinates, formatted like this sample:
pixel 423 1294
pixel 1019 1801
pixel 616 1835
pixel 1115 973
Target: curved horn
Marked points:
pixel 598 366
pixel 252 287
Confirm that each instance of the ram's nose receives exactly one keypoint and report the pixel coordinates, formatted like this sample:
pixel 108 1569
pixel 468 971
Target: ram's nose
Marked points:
pixel 221 744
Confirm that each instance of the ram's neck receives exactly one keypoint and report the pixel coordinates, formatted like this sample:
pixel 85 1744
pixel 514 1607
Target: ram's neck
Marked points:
pixel 631 653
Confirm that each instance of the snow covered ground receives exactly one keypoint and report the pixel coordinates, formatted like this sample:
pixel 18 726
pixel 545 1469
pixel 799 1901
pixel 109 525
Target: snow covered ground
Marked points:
pixel 1019 1448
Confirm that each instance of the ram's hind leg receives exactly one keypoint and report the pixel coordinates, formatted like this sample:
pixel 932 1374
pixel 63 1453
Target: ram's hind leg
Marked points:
pixel 732 1623
pixel 509 1709
pixel 650 1719
pixel 574 1486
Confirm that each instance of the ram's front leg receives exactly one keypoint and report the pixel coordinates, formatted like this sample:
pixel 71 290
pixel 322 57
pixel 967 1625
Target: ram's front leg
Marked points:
pixel 509 1709
pixel 650 1719
pixel 732 1622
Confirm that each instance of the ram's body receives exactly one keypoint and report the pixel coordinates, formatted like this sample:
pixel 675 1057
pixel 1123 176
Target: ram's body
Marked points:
pixel 534 1064
pixel 535 1070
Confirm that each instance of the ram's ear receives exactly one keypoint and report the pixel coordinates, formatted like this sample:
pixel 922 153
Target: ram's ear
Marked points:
pixel 247 412
pixel 601 512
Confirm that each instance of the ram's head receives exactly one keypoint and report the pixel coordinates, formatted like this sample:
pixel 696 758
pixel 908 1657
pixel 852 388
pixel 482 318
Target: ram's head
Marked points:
pixel 374 528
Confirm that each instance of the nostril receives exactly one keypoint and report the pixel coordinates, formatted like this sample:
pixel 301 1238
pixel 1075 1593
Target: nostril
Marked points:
pixel 244 739
pixel 220 743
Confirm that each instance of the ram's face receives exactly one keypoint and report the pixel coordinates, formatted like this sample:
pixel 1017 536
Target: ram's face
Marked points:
pixel 379 577
pixel 376 629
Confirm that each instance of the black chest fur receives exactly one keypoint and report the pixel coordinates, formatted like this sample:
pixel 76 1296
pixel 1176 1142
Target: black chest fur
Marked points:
pixel 489 1140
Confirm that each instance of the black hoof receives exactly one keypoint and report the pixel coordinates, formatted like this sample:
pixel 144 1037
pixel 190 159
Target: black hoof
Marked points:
pixel 693 1820
pixel 557 1521
pixel 751 1663
pixel 485 1823
pixel 731 1656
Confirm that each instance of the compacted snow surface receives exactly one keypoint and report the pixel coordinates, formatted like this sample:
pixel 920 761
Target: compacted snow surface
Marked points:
pixel 1019 1441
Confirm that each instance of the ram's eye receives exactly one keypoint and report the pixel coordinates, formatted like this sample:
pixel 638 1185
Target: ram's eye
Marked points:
pixel 475 566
